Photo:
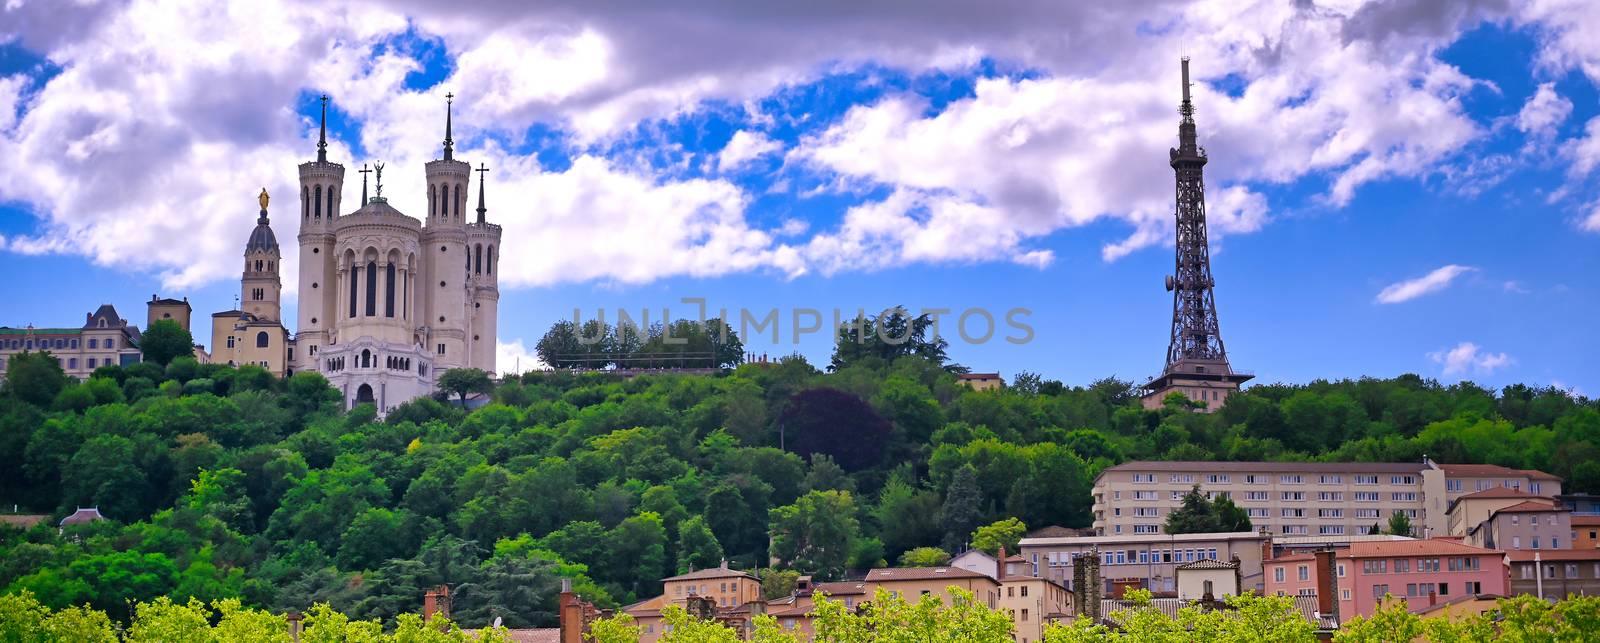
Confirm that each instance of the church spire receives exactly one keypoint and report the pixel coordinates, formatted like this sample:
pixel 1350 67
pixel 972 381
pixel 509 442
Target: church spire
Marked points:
pixel 449 145
pixel 483 172
pixel 364 171
pixel 322 135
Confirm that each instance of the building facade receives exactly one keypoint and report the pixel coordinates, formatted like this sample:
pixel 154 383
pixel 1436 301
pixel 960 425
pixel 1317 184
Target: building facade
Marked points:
pixel 1302 498
pixel 1147 561
pixel 105 338
pixel 1525 525
pixel 730 592
pixel 388 301
pixel 1423 572
pixel 1555 575
pixel 1034 603
pixel 254 333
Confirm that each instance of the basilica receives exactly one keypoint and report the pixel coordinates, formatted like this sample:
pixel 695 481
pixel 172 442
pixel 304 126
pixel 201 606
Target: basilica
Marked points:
pixel 386 302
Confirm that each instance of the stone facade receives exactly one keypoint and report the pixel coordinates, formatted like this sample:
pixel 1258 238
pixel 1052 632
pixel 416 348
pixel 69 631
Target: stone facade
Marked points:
pixel 386 301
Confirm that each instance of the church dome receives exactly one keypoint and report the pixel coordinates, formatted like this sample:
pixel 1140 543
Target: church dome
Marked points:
pixel 379 206
pixel 262 239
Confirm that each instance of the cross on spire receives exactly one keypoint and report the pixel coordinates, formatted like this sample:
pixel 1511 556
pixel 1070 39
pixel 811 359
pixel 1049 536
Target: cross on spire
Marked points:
pixel 449 145
pixel 322 135
pixel 483 171
pixel 364 171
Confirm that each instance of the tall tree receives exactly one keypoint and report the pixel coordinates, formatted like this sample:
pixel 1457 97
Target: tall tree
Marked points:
pixel 836 423
pixel 165 340
pixel 1195 516
pixel 1399 524
pixel 815 533
pixel 963 508
pixel 463 381
pixel 1004 533
pixel 697 546
pixel 35 377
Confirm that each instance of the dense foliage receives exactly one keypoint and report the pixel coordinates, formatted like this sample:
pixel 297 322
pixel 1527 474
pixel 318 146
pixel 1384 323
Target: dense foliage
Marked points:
pixel 231 483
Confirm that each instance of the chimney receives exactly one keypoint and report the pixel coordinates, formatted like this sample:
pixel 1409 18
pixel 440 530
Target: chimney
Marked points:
pixel 571 614
pixel 436 603
pixel 1327 567
pixel 1000 565
pixel 295 625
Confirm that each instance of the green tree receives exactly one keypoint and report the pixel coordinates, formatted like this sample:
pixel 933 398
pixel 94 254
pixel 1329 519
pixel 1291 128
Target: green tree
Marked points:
pixel 815 533
pixel 1195 516
pixel 778 583
pixel 962 511
pixel 924 557
pixel 638 549
pixel 1230 516
pixel 1250 618
pixel 697 546
pixel 463 381
pixel 1399 524
pixel 1004 533
pixel 35 377
pixel 165 340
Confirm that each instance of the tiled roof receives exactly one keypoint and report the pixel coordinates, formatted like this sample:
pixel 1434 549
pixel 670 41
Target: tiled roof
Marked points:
pixel 1492 471
pixel 712 572
pixel 23 521
pixel 1526 555
pixel 1499 492
pixel 1057 531
pixel 841 588
pixel 40 331
pixel 106 312
pixel 921 573
pixel 1530 506
pixel 1251 467
pixel 82 515
pixel 1432 546
pixel 1206 563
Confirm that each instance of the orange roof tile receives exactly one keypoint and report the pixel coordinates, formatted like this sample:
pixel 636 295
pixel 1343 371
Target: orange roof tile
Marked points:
pixel 1499 492
pixel 1430 547
pixel 1530 506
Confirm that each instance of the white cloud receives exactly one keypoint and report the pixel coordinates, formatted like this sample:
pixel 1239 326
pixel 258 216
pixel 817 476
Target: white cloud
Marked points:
pixel 1592 222
pixel 1410 289
pixel 165 119
pixel 1544 112
pixel 513 358
pixel 1465 357
pixel 1584 152
pixel 745 146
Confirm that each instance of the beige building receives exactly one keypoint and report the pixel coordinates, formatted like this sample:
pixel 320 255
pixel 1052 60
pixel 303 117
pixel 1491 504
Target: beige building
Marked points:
pixel 104 338
pixel 1530 524
pixel 1147 561
pixel 734 595
pixel 179 312
pixel 912 583
pixel 254 334
pixel 981 381
pixel 1034 603
pixel 1208 579
pixel 1470 510
pixel 1301 498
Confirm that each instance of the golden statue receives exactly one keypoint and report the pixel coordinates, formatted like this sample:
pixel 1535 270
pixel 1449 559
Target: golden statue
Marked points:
pixel 263 198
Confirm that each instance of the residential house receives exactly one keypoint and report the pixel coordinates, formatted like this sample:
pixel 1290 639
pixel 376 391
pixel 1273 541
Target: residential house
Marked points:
pixel 1143 561
pixel 1525 525
pixel 1555 574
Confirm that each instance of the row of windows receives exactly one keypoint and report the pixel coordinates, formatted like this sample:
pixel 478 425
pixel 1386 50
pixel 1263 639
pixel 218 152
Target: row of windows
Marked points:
pixel 1516 542
pixel 368 360
pixel 1132 557
pixel 1570 569
pixel 1287 478
pixel 1422 565
pixel 30 344
pixel 313 205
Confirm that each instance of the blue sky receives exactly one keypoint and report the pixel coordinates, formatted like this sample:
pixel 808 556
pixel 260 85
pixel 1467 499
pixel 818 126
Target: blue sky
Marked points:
pixel 946 161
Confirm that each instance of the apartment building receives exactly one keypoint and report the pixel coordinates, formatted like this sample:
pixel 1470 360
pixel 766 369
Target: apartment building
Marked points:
pixel 1034 603
pixel 1302 498
pixel 1554 575
pixel 729 591
pixel 1525 525
pixel 1148 561
pixel 1423 572
pixel 104 339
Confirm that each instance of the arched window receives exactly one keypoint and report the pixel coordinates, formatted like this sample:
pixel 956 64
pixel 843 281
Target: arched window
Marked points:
pixel 433 200
pixel 372 289
pixel 305 202
pixel 490 268
pixel 318 207
pixel 366 358
pixel 330 202
pixel 479 250
pixel 457 201
pixel 388 290
pixel 354 279
pixel 262 340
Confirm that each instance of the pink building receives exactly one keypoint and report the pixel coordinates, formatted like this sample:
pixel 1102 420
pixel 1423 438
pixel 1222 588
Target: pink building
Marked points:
pixel 1422 572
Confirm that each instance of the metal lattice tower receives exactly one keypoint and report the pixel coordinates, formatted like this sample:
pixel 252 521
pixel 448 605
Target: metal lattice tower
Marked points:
pixel 1195 333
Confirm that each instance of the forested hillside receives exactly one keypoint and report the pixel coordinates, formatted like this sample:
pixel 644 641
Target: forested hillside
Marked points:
pixel 229 482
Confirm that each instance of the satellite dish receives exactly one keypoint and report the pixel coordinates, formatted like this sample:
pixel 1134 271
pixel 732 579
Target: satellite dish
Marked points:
pixel 497 622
